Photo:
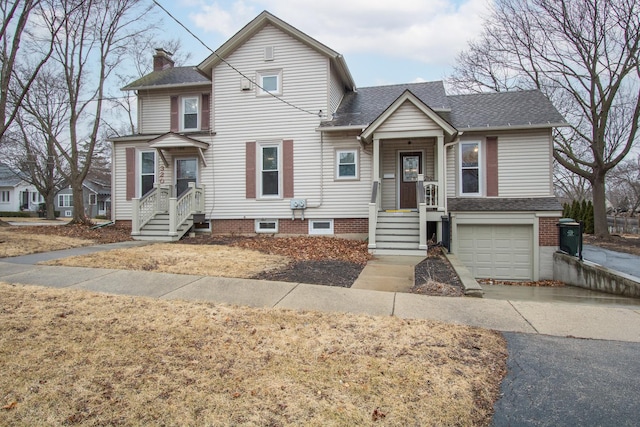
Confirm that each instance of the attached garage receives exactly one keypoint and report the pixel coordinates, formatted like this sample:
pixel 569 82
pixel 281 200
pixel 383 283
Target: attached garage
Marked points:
pixel 497 251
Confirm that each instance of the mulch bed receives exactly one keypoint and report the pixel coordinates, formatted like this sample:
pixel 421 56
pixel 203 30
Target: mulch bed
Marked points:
pixel 328 273
pixel 106 234
pixel 435 276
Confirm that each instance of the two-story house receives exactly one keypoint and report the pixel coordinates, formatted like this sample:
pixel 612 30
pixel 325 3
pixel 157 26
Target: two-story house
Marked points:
pixel 270 135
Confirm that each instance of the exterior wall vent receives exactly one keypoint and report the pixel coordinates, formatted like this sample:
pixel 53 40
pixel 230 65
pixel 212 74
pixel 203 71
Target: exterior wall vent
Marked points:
pixel 269 53
pixel 245 84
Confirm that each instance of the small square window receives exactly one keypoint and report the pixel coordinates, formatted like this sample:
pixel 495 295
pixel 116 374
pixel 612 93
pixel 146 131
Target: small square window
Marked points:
pixel 266 226
pixel 68 213
pixel 321 226
pixel 347 164
pixel 270 82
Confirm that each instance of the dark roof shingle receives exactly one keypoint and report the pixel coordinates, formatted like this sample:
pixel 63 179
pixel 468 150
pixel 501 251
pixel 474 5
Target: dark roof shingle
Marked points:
pixel 481 204
pixel 176 76
pixel 362 107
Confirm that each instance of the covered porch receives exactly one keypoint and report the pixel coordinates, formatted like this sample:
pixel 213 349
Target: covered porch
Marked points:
pixel 408 190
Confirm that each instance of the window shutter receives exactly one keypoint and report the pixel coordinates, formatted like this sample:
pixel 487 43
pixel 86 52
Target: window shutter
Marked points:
pixel 287 168
pixel 131 172
pixel 250 170
pixel 492 166
pixel 206 115
pixel 174 114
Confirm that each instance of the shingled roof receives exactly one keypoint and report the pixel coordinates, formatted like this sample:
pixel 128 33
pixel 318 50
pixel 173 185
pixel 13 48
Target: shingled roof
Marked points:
pixel 477 111
pixel 503 109
pixel 8 178
pixel 362 107
pixel 171 77
pixel 482 204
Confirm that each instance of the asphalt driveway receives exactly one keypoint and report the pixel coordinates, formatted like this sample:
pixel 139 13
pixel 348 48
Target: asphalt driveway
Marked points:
pixel 554 381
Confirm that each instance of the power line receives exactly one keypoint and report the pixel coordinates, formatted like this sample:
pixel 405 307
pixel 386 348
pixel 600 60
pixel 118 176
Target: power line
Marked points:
pixel 229 64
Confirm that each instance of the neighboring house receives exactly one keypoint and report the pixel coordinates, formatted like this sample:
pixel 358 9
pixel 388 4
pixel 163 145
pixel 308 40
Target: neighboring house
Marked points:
pixel 96 200
pixel 16 194
pixel 291 146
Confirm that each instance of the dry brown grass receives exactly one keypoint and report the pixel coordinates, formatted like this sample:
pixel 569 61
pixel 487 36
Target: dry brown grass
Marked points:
pixel 78 358
pixel 15 244
pixel 210 260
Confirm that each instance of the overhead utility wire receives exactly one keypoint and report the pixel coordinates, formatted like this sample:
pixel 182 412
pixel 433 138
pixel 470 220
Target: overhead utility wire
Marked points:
pixel 231 66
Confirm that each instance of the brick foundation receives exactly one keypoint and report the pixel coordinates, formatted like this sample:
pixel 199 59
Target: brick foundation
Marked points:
pixel 548 231
pixel 288 226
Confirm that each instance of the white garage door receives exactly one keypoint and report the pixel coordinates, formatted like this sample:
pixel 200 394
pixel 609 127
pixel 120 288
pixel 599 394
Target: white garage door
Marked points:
pixel 497 251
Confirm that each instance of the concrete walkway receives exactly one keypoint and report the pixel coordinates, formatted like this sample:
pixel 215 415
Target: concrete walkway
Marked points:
pixel 548 318
pixel 388 273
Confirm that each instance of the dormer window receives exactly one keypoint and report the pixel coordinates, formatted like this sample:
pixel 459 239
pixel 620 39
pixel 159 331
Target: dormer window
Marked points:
pixel 190 112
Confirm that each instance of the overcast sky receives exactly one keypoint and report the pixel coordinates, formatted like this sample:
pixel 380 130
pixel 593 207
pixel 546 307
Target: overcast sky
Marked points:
pixel 383 41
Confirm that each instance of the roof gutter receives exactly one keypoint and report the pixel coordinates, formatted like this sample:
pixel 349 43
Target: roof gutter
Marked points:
pixel 515 127
pixel 167 86
pixel 444 184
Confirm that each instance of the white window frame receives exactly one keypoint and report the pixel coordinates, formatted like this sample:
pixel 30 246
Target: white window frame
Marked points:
pixel 5 196
pixel 479 167
pixel 183 100
pixel 93 199
pixel 261 147
pixel 139 170
pixel 320 231
pixel 261 75
pixel 65 200
pixel 68 213
pixel 356 160
pixel 259 223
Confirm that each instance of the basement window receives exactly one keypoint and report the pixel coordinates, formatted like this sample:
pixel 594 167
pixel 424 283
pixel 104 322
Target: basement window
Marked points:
pixel 266 225
pixel 321 226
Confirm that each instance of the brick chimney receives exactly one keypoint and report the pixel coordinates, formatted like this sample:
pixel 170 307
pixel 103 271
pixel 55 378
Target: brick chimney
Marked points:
pixel 162 60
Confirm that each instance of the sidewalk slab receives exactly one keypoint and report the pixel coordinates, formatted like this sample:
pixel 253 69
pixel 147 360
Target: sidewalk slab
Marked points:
pixel 491 314
pixel 388 273
pixel 581 321
pixel 57 277
pixel 7 268
pixel 138 283
pixel 336 299
pixel 252 293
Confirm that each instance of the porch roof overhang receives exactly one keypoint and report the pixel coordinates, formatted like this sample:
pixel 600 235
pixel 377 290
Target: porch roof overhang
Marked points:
pixel 171 140
pixel 407 96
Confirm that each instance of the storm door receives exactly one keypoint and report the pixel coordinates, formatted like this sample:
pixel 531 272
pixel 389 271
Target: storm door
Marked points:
pixel 186 172
pixel 410 168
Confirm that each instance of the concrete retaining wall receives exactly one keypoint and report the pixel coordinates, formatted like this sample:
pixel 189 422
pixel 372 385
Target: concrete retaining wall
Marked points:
pixel 586 274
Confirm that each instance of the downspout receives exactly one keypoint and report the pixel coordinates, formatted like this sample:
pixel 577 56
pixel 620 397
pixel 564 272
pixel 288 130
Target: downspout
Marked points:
pixel 444 147
pixel 321 173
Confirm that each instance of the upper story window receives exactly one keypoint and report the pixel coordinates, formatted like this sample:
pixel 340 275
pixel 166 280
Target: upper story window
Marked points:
pixel 347 164
pixel 190 112
pixel 470 171
pixel 270 82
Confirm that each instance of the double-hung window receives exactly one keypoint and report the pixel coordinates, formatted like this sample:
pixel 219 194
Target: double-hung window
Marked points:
pixel 347 164
pixel 470 172
pixel 270 170
pixel 270 82
pixel 190 109
pixel 5 196
pixel 65 200
pixel 147 171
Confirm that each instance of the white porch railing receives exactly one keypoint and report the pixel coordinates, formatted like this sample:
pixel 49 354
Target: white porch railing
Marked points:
pixel 192 201
pixel 374 207
pixel 144 209
pixel 159 201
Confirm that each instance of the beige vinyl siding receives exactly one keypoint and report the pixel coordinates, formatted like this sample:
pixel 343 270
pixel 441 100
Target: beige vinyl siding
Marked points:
pixel 408 117
pixel 120 206
pixel 390 150
pixel 524 165
pixel 156 110
pixel 242 116
pixel 451 170
pixel 336 92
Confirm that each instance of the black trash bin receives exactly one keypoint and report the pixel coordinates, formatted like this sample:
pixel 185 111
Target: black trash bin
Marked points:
pixel 446 232
pixel 570 236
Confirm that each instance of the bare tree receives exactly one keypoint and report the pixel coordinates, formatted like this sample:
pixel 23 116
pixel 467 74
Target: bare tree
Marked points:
pixel 40 121
pixel 569 186
pixel 624 184
pixel 22 54
pixel 87 49
pixel 584 54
